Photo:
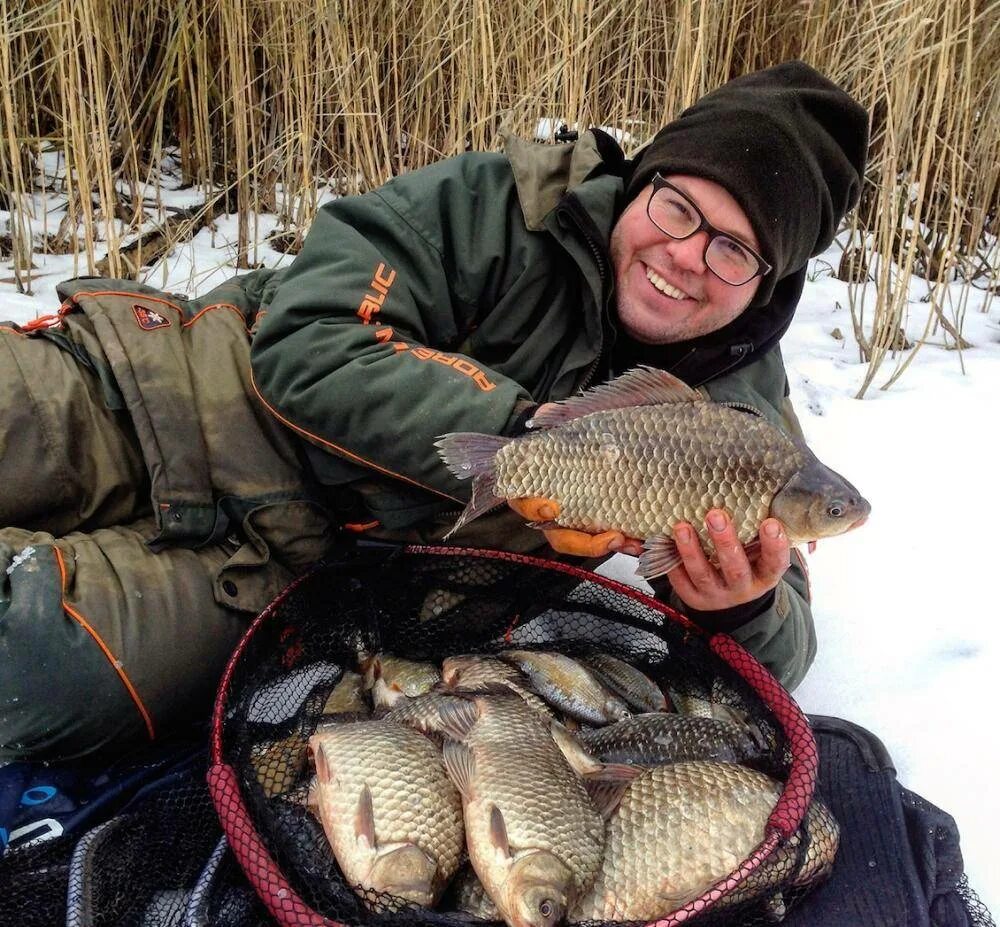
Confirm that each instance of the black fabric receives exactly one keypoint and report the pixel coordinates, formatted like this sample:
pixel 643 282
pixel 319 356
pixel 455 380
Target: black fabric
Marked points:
pixel 787 143
pixel 899 863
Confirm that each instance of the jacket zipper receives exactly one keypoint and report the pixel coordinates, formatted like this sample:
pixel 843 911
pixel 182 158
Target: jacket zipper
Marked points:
pixel 585 226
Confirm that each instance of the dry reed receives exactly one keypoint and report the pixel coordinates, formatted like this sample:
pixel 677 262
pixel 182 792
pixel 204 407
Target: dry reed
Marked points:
pixel 264 99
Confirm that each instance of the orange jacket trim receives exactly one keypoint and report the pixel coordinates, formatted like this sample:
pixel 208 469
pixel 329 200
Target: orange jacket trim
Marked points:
pixel 116 664
pixel 142 298
pixel 360 527
pixel 340 450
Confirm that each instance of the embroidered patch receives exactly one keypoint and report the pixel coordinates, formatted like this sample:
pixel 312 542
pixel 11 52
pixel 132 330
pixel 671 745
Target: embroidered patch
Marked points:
pixel 148 319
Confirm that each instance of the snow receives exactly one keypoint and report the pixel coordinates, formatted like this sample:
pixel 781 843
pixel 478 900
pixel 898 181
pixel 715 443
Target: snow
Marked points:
pixel 908 646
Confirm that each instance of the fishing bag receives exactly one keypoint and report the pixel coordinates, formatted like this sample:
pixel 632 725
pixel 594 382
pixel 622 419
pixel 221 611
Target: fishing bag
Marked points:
pixel 155 855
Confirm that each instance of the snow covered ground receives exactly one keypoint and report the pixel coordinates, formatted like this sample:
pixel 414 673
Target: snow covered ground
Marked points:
pixel 905 607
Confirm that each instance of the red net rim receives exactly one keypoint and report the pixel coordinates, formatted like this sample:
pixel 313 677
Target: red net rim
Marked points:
pixel 788 813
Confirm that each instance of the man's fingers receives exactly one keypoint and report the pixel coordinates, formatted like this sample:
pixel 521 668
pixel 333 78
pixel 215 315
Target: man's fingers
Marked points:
pixel 702 574
pixel 775 554
pixel 535 508
pixel 733 561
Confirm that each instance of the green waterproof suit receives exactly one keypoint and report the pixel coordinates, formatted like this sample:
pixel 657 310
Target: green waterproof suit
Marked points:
pixel 453 297
pixel 153 492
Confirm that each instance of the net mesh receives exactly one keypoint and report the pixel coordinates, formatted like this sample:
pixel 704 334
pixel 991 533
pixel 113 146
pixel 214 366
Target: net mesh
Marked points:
pixel 162 861
pixel 427 605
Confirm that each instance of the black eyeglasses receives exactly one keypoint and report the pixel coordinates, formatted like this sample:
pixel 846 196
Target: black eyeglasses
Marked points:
pixel 677 216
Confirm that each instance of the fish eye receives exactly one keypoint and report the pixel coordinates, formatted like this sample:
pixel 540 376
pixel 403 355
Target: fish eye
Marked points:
pixel 835 509
pixel 545 908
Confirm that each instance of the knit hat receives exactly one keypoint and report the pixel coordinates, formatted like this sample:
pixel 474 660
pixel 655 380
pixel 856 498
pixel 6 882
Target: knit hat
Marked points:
pixel 787 143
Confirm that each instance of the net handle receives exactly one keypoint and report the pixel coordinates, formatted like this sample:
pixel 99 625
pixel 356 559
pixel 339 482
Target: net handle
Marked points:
pixel 286 907
pixel 800 785
pixel 792 804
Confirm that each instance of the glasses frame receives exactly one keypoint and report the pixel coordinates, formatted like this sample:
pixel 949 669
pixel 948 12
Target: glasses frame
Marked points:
pixel 659 182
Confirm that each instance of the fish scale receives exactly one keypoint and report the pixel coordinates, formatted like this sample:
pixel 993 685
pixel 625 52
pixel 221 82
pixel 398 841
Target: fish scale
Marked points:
pixel 520 771
pixel 658 474
pixel 413 801
pixel 679 829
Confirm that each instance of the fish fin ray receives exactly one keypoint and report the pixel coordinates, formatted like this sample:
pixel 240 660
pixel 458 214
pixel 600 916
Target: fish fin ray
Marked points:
pixel 364 818
pixel 468 453
pixel 640 386
pixel 458 717
pixel 483 499
pixel 659 556
pixel 498 831
pixel 605 796
pixel 575 754
pixel 460 763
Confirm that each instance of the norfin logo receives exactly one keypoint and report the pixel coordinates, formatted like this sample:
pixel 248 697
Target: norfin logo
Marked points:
pixel 148 319
pixel 460 364
pixel 371 303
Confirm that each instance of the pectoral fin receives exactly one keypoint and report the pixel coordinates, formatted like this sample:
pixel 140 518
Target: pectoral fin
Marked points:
pixel 364 819
pixel 498 832
pixel 659 556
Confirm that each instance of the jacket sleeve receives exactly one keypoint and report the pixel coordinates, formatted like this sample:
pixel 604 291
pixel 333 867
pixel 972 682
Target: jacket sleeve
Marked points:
pixel 779 631
pixel 359 351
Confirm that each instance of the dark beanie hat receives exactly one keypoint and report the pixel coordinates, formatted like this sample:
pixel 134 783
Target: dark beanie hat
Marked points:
pixel 787 143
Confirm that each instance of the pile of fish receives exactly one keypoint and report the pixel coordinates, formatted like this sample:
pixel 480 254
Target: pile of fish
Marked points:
pixel 534 788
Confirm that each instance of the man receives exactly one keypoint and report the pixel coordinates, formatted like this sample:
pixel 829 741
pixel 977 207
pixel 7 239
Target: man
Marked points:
pixel 455 298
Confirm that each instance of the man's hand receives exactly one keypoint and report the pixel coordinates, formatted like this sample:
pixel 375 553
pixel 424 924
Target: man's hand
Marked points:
pixel 569 541
pixel 738 578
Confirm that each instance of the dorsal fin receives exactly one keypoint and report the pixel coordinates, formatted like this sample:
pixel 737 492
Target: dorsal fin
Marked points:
pixel 640 386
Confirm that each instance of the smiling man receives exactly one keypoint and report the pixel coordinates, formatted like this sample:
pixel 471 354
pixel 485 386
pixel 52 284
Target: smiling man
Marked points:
pixel 519 279
pixel 171 493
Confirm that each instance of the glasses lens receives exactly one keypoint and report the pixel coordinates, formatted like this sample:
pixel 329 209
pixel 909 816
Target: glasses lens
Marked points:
pixel 730 260
pixel 672 213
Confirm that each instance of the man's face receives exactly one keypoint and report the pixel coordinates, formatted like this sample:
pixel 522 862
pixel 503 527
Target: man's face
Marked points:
pixel 665 292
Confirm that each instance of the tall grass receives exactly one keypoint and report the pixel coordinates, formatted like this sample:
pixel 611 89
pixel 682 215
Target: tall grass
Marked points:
pixel 263 99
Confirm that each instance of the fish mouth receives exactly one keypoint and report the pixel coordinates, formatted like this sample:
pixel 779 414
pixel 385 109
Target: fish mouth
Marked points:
pixel 859 522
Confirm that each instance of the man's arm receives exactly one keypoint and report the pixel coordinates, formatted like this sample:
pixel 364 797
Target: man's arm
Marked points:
pixel 359 350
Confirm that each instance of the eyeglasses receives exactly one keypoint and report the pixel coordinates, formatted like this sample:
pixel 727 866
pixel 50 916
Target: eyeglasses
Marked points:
pixel 676 215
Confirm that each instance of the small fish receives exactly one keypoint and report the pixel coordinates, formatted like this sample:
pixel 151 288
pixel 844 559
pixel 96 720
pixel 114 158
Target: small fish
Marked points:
pixel 645 451
pixel 391 678
pixel 390 812
pixel 347 697
pixel 279 764
pixel 651 739
pixel 698 821
pixel 534 838
pixel 478 671
pixel 625 680
pixel 568 685
pixel 470 897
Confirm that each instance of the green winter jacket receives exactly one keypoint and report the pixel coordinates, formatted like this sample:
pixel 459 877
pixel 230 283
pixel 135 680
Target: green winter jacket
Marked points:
pixel 450 299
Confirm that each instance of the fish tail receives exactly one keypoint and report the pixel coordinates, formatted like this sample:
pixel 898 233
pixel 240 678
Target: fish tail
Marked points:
pixel 468 454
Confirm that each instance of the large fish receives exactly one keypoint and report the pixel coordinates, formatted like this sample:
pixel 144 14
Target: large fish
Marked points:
pixel 533 835
pixel 679 829
pixel 390 812
pixel 645 451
